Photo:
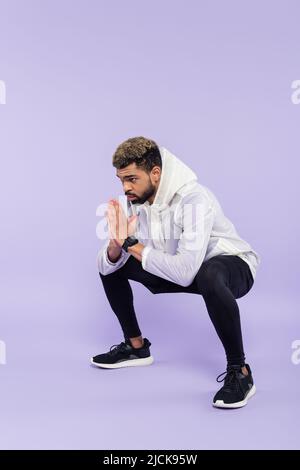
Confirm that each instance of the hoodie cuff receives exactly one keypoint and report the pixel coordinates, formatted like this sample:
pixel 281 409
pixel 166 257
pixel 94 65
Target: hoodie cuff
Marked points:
pixel 145 253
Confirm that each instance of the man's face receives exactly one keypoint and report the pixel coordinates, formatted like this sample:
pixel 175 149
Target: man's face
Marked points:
pixel 139 186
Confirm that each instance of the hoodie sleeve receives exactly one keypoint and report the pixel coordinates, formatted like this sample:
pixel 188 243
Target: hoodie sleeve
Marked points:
pixel 197 217
pixel 105 266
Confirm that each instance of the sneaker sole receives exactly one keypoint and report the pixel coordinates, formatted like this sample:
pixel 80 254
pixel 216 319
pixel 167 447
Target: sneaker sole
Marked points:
pixel 147 361
pixel 238 404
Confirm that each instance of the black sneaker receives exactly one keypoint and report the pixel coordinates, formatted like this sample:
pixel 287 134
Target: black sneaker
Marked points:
pixel 124 355
pixel 237 388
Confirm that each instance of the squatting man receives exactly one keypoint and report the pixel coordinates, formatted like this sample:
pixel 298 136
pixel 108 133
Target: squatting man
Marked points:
pixel 173 236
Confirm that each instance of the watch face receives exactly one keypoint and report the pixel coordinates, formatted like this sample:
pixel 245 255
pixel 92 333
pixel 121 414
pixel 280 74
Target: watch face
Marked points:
pixel 132 241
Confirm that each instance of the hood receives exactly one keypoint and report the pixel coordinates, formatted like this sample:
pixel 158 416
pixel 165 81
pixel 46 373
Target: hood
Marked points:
pixel 174 175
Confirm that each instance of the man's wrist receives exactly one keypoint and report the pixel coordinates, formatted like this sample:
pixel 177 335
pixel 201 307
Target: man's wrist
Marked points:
pixel 114 253
pixel 128 242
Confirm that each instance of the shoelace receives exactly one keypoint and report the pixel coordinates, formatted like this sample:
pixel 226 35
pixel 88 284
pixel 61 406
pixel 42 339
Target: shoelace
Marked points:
pixel 232 382
pixel 115 348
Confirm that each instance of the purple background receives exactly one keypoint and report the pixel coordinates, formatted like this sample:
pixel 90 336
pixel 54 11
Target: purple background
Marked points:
pixel 211 81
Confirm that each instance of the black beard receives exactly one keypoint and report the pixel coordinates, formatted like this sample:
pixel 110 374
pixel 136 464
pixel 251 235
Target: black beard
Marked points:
pixel 145 196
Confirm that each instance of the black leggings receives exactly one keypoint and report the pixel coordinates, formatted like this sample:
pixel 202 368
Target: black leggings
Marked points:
pixel 220 280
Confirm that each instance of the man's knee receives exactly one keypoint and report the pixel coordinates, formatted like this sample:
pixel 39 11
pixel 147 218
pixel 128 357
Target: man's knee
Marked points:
pixel 209 277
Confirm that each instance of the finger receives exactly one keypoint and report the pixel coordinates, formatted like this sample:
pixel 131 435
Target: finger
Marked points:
pixel 111 210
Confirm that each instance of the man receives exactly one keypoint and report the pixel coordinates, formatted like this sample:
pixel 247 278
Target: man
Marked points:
pixel 176 239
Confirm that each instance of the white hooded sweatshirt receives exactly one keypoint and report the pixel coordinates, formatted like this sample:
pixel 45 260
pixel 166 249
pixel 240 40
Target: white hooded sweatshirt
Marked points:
pixel 184 227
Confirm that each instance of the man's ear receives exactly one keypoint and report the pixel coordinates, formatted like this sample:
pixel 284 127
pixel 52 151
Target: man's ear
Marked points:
pixel 156 172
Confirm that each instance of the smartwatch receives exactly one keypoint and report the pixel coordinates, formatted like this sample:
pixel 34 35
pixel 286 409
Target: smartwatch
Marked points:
pixel 129 241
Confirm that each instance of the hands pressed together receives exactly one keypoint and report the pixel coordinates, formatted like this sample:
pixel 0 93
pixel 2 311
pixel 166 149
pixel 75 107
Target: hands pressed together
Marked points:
pixel 120 227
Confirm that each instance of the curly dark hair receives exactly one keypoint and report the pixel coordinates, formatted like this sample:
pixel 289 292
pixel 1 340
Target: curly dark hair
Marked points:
pixel 139 150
